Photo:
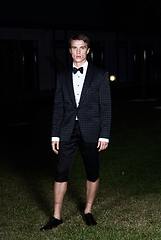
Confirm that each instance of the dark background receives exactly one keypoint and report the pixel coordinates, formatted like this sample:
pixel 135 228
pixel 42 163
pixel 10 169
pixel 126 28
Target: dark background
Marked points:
pixel 135 18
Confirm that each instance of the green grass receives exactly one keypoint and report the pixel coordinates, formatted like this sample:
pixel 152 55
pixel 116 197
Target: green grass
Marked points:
pixel 128 203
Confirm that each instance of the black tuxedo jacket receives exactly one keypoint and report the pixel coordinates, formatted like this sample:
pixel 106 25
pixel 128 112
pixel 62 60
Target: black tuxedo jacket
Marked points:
pixel 93 112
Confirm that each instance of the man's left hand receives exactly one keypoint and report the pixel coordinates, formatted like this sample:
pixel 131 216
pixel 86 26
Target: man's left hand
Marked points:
pixel 102 145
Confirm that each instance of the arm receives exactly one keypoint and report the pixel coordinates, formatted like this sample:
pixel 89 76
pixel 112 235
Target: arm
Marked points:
pixel 57 117
pixel 105 111
pixel 57 111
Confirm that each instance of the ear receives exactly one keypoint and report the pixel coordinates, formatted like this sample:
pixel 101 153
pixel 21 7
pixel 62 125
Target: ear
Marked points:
pixel 70 50
pixel 88 50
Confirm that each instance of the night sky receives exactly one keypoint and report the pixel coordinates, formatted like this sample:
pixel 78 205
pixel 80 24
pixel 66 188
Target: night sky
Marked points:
pixel 84 13
pixel 135 16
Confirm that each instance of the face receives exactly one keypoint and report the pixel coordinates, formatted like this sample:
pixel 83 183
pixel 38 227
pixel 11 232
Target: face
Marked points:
pixel 79 51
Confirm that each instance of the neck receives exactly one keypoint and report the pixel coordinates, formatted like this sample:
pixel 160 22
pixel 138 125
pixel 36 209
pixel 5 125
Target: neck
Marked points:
pixel 78 65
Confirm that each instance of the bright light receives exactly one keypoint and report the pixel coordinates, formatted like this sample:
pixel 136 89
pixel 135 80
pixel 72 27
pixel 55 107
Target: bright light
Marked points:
pixel 112 78
pixel 144 55
pixel 134 57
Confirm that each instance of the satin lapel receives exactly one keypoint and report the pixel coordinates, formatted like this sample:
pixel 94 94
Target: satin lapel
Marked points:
pixel 87 83
pixel 69 83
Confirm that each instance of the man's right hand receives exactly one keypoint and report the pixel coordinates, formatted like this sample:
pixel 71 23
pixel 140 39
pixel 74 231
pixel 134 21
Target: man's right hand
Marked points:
pixel 55 146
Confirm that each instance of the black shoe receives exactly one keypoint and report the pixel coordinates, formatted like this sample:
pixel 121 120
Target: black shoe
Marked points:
pixel 54 222
pixel 90 220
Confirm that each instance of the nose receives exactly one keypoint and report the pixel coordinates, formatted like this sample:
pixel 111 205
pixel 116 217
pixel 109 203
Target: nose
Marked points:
pixel 78 50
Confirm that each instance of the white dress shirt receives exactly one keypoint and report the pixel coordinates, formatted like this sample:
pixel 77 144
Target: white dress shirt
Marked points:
pixel 78 81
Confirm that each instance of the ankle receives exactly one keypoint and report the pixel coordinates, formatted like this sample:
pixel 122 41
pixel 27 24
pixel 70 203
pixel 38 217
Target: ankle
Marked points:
pixel 57 216
pixel 87 211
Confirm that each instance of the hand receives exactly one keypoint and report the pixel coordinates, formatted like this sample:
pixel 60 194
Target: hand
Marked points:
pixel 55 146
pixel 102 145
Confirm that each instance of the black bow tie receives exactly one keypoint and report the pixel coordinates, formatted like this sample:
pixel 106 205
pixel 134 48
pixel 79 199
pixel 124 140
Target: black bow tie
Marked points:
pixel 75 70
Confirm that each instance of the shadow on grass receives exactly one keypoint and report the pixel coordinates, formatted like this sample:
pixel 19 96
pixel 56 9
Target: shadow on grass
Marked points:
pixel 26 152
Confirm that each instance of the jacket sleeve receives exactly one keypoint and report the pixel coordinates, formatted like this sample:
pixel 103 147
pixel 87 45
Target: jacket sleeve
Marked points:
pixel 57 110
pixel 105 106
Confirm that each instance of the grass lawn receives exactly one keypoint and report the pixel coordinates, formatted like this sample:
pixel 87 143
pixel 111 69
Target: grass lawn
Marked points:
pixel 128 203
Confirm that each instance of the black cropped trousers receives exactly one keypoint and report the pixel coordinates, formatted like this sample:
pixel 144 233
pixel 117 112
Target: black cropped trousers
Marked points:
pixel 67 152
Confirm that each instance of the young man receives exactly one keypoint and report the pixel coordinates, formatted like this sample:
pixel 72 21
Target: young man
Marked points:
pixel 81 118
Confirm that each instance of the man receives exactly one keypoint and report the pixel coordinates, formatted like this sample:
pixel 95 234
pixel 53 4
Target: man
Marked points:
pixel 81 118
